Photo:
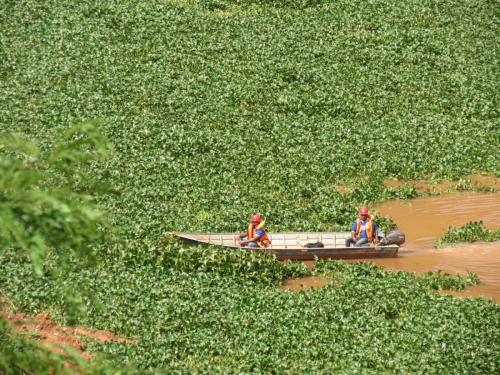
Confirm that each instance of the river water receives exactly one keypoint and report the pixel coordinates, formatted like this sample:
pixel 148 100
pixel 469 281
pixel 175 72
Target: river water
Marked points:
pixel 426 219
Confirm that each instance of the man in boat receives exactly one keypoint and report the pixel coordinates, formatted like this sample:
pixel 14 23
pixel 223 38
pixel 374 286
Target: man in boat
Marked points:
pixel 364 230
pixel 256 235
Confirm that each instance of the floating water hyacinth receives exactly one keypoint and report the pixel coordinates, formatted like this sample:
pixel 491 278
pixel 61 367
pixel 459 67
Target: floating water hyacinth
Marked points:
pixel 470 232
pixel 218 109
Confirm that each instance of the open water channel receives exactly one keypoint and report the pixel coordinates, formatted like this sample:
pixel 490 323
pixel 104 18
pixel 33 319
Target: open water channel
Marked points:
pixel 426 219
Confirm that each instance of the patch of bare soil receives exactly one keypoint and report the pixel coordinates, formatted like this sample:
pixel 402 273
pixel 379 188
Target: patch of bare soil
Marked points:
pixel 41 328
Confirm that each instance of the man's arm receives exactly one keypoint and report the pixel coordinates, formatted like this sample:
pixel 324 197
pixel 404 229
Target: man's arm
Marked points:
pixel 353 230
pixel 258 234
pixel 240 235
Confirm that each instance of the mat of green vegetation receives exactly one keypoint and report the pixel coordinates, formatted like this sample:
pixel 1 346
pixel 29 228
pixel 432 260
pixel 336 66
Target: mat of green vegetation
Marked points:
pixel 471 232
pixel 219 109
pixel 215 311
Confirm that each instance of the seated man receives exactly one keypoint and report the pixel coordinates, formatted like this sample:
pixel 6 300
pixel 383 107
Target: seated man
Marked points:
pixel 255 236
pixel 364 230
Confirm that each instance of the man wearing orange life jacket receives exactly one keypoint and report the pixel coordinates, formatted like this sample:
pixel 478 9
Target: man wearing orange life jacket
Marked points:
pixel 256 235
pixel 363 230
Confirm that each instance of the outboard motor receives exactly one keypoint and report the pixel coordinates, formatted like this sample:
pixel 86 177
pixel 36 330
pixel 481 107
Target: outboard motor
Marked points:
pixel 394 237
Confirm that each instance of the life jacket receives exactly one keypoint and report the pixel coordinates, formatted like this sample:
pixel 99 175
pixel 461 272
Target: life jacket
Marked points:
pixel 368 227
pixel 263 241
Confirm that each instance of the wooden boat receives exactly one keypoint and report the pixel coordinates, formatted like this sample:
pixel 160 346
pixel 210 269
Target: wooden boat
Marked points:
pixel 292 245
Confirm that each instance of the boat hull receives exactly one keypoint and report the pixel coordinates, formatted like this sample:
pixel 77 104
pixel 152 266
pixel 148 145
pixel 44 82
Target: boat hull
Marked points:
pixel 322 253
pixel 283 251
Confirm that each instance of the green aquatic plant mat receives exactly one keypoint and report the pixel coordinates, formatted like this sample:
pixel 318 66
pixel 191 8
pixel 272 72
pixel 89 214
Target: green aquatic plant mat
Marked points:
pixel 471 232
pixel 201 321
pixel 219 109
pixel 341 271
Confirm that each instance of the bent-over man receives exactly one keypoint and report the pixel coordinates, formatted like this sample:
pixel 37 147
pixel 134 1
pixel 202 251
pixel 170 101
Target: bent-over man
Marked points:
pixel 256 235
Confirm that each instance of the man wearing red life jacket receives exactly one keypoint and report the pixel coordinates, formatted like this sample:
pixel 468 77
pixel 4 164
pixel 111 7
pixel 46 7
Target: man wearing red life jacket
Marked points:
pixel 364 230
pixel 256 235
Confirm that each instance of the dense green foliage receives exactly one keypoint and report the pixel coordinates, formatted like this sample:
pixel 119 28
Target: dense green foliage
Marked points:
pixel 47 207
pixel 208 319
pixel 221 108
pixel 444 281
pixel 339 270
pixel 470 232
pixel 217 111
pixel 45 200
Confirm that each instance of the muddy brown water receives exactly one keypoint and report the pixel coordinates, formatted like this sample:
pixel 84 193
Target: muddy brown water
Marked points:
pixel 424 220
pixel 310 282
